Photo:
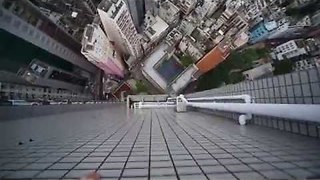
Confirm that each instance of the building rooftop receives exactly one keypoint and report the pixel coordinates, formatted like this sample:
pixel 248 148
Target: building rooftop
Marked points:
pixel 154 30
pixel 151 144
pixel 212 59
pixel 170 7
pixel 152 60
pixel 184 79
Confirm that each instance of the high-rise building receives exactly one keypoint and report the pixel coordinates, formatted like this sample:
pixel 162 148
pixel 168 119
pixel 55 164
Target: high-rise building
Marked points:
pixel 97 48
pixel 137 10
pixel 28 34
pixel 26 21
pixel 118 24
pixel 71 15
pixel 152 6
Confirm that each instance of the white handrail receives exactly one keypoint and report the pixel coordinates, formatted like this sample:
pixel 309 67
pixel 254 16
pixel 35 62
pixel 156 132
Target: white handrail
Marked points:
pixel 148 105
pixel 245 97
pixel 290 111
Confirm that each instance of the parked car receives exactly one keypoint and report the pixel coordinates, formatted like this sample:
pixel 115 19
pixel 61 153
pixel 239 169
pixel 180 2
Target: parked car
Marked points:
pixel 65 102
pixel 23 103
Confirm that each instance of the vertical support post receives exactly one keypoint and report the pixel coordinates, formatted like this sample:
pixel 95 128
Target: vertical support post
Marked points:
pixel 181 103
pixel 244 117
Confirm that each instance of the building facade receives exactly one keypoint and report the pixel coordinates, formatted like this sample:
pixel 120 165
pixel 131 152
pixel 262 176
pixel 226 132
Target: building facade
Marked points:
pixel 137 10
pixel 169 12
pixel 187 6
pixel 119 26
pixel 289 50
pixel 258 33
pixel 25 21
pixel 97 48
pixel 11 91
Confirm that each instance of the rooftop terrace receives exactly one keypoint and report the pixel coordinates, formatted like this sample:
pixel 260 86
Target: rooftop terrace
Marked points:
pixel 151 144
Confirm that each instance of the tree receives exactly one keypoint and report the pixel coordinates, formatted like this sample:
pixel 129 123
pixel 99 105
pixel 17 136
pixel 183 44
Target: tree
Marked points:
pixel 283 67
pixel 230 71
pixel 141 87
pixel 186 60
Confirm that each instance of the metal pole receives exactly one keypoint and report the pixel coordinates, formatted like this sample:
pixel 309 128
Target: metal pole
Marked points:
pixel 245 97
pixel 289 111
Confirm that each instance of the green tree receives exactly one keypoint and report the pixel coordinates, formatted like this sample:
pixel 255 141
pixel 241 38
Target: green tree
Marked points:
pixel 283 67
pixel 237 62
pixel 186 60
pixel 141 87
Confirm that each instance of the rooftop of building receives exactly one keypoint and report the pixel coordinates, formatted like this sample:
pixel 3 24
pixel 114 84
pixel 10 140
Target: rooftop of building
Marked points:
pixel 212 59
pixel 155 29
pixel 170 7
pixel 155 57
pixel 151 144
pixel 112 7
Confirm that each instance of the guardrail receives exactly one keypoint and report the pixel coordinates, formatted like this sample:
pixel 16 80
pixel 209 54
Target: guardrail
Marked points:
pixel 246 108
pixel 47 103
pixel 246 98
pixel 304 112
pixel 150 105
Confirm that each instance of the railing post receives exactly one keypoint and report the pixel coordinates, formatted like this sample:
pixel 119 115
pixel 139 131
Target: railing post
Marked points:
pixel 181 105
pixel 244 117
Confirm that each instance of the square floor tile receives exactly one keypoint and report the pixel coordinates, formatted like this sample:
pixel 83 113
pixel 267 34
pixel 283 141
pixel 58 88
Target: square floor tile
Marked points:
pixel 22 174
pixel 135 173
pixel 78 173
pixel 189 170
pixel 221 177
pixel 52 174
pixel 167 171
pixel 87 166
pixel 59 166
pixel 108 173
pixel 37 166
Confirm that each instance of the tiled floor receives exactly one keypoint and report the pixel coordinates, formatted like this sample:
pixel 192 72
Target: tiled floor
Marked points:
pixel 151 144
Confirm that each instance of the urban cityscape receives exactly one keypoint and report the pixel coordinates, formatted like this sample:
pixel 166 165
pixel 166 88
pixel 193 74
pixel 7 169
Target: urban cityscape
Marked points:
pixel 159 89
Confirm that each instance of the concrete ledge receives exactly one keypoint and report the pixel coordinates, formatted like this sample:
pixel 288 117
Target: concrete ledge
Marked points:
pixel 20 112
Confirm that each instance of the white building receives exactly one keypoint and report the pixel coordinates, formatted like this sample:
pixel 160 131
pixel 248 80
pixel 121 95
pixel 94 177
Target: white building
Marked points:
pixel 289 50
pixel 186 46
pixel 174 37
pixel 155 30
pixel 208 8
pixel 169 12
pixel 187 6
pixel 120 29
pixel 258 72
pixel 96 47
pixel 254 8
pixel 155 27
pixel 284 30
pixel 186 27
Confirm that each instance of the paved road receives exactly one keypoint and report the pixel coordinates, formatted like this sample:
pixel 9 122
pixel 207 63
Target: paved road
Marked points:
pixel 152 144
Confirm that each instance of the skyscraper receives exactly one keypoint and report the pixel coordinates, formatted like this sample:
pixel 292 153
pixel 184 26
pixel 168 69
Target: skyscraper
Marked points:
pixel 41 51
pixel 118 24
pixel 137 10
pixel 97 48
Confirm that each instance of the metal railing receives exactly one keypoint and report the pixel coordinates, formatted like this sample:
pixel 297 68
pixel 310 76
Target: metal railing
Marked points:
pixel 151 105
pixel 306 112
pixel 246 108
